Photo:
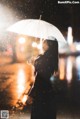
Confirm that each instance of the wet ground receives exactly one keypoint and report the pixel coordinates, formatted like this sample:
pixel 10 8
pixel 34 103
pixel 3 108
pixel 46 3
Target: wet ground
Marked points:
pixel 15 80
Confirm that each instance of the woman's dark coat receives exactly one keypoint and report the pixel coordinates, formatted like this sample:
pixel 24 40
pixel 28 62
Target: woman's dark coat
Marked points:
pixel 43 106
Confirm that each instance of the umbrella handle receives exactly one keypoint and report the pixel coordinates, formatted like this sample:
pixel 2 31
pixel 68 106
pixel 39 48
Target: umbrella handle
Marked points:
pixel 40 17
pixel 41 50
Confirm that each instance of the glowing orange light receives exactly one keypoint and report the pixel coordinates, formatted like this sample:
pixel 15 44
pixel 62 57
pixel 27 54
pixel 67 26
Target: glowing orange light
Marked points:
pixel 24 99
pixel 62 69
pixel 21 82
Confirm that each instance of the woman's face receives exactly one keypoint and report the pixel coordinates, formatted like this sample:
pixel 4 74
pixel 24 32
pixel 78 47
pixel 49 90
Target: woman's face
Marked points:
pixel 45 46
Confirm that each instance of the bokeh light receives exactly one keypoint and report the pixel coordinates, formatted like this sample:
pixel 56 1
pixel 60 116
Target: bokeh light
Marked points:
pixel 21 40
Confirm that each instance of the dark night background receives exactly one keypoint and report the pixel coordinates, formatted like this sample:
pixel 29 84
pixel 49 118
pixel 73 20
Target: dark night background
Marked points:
pixel 61 15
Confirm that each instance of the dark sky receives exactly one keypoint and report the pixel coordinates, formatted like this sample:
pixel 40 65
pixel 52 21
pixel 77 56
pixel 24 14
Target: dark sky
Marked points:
pixel 60 15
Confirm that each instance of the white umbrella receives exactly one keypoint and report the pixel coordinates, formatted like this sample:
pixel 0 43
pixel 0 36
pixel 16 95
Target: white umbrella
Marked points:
pixel 37 28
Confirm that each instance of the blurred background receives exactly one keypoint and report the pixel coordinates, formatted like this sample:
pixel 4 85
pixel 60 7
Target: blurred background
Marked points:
pixel 17 49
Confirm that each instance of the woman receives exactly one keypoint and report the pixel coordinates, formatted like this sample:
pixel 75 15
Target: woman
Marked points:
pixel 44 106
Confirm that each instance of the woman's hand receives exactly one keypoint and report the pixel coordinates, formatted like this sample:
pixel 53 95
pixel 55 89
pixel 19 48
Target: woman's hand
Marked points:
pixel 29 100
pixel 56 73
pixel 32 60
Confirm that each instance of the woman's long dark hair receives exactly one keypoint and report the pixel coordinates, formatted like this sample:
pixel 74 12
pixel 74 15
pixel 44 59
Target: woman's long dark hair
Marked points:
pixel 53 50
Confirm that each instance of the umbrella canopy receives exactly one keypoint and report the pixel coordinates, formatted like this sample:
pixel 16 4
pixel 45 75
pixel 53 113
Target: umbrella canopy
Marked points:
pixel 39 29
pixel 36 28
